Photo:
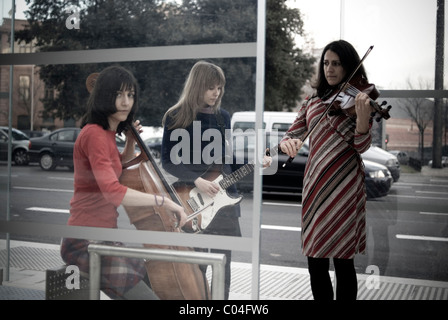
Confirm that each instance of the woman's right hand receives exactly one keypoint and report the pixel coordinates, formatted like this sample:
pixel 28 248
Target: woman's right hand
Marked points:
pixel 177 210
pixel 291 146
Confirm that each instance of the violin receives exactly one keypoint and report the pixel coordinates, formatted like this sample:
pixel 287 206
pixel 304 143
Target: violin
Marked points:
pixel 345 99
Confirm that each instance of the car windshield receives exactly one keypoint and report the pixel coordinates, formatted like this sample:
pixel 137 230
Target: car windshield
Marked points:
pixel 18 135
pixel 154 140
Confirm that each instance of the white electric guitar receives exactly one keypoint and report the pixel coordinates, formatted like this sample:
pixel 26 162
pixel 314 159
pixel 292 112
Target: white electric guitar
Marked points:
pixel 201 208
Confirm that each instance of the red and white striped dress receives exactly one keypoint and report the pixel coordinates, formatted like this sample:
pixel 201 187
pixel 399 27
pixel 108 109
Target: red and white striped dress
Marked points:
pixel 333 198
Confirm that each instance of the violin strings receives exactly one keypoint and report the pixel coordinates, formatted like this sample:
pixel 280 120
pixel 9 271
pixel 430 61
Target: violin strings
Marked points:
pixel 354 91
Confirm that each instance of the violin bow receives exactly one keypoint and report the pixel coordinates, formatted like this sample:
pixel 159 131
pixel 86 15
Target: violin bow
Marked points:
pixel 341 88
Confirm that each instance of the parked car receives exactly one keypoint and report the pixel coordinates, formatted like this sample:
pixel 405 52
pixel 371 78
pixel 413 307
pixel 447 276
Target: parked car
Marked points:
pixel 20 144
pixel 272 120
pixel 402 156
pixel 289 179
pixel 54 149
pixel 444 162
pixel 385 158
pixel 378 179
pixel 34 134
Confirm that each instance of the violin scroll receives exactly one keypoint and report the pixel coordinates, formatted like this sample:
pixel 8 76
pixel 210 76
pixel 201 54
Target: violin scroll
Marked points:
pixel 383 113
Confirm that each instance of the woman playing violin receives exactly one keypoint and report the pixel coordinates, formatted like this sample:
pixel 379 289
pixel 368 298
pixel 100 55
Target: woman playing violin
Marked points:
pixel 333 199
pixel 97 190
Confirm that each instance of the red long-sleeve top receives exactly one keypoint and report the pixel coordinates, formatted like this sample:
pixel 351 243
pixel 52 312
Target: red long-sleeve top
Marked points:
pixel 97 190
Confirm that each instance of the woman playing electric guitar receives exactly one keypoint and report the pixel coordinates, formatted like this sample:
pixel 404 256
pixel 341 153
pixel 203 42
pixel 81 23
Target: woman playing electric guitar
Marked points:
pixel 191 126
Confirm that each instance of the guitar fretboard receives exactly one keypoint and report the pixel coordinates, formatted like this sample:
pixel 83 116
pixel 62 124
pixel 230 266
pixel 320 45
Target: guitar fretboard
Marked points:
pixel 245 170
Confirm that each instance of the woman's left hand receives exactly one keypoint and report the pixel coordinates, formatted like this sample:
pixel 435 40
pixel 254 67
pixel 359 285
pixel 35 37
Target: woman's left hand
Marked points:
pixel 137 126
pixel 363 112
pixel 128 152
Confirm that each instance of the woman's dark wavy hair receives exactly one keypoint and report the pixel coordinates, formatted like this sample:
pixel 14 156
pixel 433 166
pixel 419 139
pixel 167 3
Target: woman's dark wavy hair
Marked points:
pixel 349 60
pixel 101 103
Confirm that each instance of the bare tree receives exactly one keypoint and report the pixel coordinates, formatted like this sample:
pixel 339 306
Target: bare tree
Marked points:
pixel 420 110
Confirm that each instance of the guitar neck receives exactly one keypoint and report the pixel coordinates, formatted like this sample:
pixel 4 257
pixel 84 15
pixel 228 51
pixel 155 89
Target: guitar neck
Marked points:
pixel 242 172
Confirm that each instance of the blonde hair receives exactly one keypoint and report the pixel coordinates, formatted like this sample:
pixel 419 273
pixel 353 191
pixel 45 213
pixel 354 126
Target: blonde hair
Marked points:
pixel 202 76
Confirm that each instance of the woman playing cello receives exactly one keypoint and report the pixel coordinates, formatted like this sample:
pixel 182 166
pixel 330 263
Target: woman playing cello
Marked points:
pixel 97 190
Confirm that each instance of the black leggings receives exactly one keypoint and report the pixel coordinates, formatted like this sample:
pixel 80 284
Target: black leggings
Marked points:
pixel 346 282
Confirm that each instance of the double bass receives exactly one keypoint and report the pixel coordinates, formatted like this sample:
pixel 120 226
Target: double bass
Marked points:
pixel 169 280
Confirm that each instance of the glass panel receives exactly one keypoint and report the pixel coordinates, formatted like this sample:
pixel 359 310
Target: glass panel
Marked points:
pixel 42 195
pixel 395 221
pixel 44 188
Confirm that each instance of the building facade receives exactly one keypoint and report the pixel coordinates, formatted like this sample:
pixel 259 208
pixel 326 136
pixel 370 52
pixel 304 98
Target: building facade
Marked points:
pixel 27 87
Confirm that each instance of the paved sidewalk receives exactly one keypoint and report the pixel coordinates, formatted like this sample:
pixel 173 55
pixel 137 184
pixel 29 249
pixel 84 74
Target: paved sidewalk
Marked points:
pixel 29 261
pixel 428 171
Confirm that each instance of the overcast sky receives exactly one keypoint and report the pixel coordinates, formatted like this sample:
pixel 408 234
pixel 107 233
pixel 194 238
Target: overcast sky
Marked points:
pixel 402 32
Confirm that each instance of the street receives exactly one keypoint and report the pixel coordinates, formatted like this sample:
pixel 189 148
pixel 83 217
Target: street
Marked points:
pixel 407 230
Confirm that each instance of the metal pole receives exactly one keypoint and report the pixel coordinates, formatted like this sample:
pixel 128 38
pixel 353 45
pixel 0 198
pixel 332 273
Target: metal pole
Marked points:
pixel 342 20
pixel 438 85
pixel 8 186
pixel 259 107
pixel 94 274
pixel 32 99
pixel 218 277
pixel 217 261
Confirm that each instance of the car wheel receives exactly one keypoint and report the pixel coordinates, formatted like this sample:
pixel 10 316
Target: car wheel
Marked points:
pixel 20 157
pixel 47 162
